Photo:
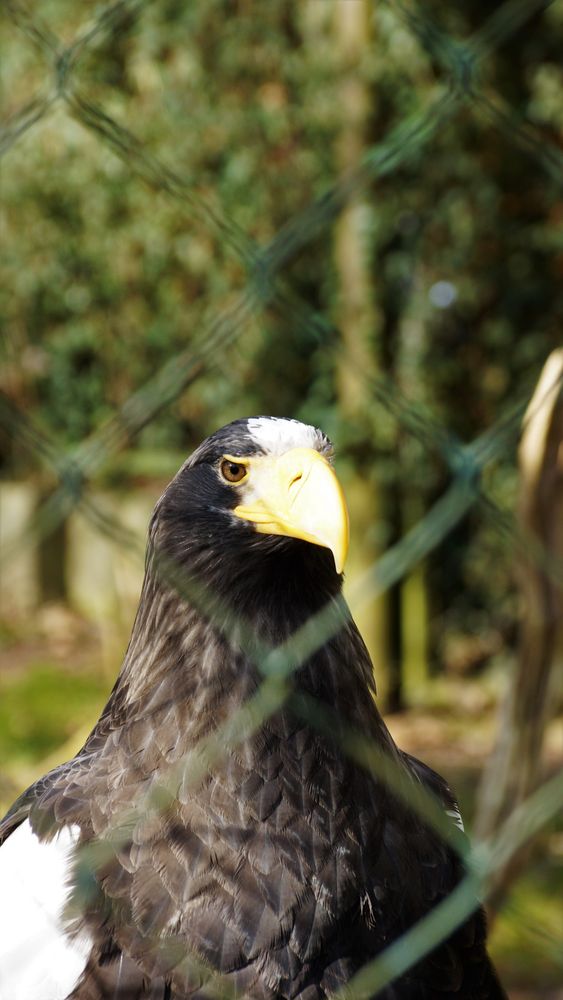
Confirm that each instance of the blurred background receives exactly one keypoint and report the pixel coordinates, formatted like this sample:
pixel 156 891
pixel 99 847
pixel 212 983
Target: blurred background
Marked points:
pixel 344 212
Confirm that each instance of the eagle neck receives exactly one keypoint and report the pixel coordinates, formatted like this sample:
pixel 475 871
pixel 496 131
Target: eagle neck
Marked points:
pixel 209 652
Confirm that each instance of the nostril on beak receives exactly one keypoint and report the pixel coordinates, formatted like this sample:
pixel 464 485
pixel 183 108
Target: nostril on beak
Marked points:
pixel 295 487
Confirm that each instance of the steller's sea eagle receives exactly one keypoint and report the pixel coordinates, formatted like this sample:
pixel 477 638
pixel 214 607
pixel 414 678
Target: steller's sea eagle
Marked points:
pixel 176 858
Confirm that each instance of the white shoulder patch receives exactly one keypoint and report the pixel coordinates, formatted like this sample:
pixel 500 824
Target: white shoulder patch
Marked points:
pixel 38 961
pixel 277 435
pixel 456 816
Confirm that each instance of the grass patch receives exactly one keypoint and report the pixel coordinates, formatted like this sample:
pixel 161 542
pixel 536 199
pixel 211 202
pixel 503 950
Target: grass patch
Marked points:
pixel 42 708
pixel 526 941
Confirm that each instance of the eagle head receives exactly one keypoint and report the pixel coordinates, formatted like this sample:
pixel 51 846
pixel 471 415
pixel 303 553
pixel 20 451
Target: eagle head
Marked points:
pixel 257 506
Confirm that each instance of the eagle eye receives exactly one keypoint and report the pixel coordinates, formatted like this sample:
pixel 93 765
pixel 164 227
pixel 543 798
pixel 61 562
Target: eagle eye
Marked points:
pixel 233 472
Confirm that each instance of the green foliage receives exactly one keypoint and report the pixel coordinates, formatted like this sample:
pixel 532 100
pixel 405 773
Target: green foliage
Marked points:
pixel 126 230
pixel 42 708
pixel 111 277
pixel 133 218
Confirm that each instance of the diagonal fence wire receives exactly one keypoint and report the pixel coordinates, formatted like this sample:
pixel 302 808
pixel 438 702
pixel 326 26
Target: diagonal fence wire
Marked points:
pixel 335 202
pixel 177 374
pixel 265 286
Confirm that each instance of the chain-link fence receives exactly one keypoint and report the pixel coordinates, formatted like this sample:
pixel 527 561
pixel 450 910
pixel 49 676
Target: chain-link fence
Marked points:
pixel 265 284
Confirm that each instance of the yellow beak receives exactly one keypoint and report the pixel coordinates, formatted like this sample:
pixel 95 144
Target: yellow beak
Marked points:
pixel 297 494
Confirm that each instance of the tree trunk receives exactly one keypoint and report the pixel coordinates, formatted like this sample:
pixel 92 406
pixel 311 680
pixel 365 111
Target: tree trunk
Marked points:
pixel 516 765
pixel 356 319
pixel 51 558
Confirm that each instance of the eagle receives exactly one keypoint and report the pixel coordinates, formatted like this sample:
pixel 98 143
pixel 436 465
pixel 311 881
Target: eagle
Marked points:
pixel 207 841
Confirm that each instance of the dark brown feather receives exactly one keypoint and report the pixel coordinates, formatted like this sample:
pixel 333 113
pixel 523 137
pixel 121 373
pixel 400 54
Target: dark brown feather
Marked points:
pixel 279 864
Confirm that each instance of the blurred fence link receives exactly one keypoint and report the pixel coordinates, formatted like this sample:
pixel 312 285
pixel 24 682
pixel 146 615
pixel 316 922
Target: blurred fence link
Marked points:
pixel 267 285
